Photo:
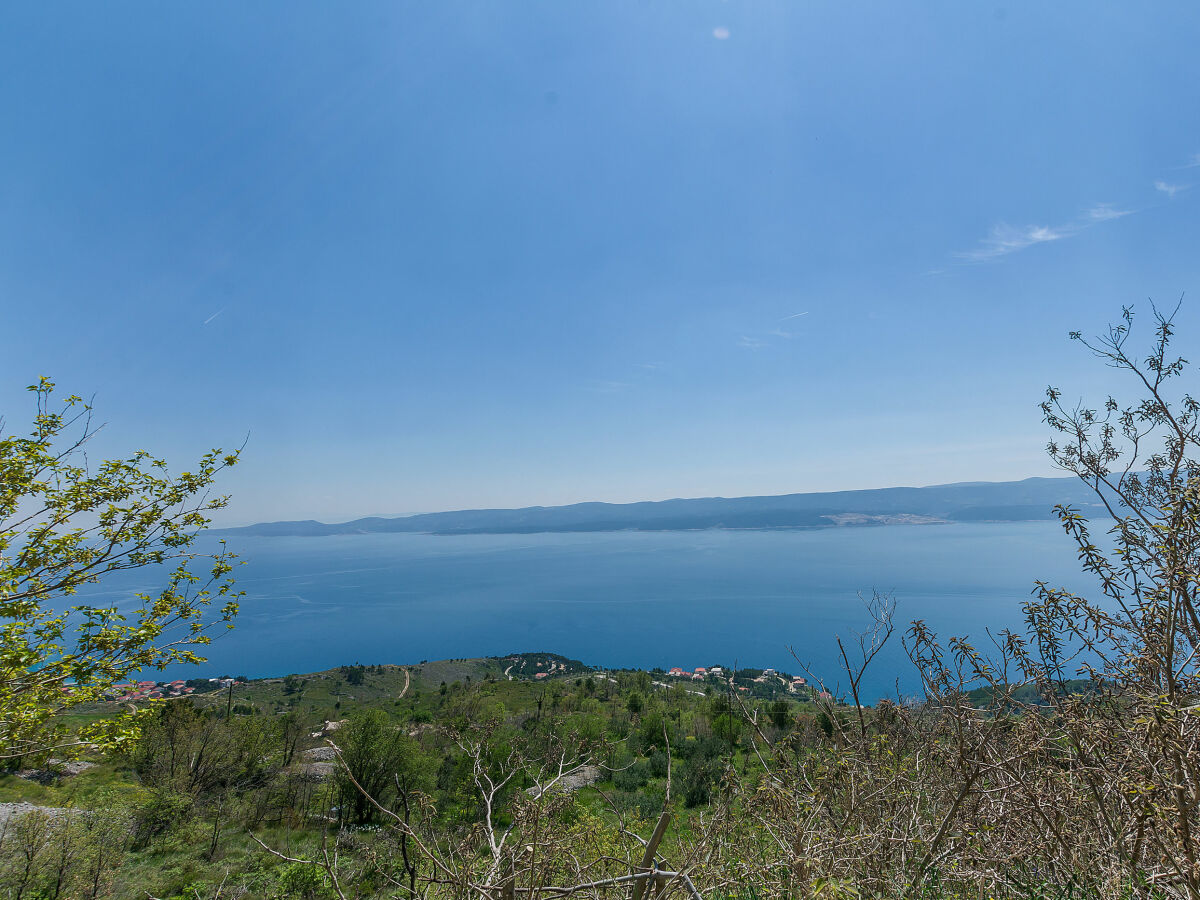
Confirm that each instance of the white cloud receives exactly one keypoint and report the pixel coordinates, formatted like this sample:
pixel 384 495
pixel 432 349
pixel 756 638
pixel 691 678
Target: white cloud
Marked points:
pixel 749 343
pixel 721 33
pixel 1005 239
pixel 1104 212
pixel 1170 189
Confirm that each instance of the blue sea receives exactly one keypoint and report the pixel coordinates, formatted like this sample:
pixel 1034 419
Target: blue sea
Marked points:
pixel 636 599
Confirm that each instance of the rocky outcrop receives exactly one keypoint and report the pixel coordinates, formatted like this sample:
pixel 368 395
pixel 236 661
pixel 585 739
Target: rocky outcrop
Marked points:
pixel 11 811
pixel 329 727
pixel 56 769
pixel 573 781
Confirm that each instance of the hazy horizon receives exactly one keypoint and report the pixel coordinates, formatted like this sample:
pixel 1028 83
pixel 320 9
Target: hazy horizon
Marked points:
pixel 424 512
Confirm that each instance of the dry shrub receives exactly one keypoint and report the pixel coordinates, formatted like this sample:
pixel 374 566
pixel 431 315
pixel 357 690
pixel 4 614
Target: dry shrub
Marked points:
pixel 1061 761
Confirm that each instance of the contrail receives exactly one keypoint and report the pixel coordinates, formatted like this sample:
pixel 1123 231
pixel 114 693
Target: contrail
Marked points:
pixel 214 315
pixel 796 316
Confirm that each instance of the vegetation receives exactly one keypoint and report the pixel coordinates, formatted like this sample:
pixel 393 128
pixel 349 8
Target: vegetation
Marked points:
pixel 213 774
pixel 1061 762
pixel 65 524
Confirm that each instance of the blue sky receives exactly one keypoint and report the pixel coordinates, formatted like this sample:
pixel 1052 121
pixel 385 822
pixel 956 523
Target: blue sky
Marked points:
pixel 451 255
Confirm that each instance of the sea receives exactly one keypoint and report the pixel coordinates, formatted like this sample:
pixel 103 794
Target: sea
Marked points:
pixel 747 598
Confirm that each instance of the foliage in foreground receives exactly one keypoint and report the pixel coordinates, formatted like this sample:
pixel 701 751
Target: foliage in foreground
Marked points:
pixel 65 524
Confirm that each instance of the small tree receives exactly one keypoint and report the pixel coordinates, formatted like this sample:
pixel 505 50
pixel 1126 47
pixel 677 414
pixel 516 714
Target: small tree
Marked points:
pixel 382 765
pixel 779 712
pixel 635 702
pixel 64 524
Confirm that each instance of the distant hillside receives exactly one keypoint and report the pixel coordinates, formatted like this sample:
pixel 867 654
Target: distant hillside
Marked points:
pixel 1004 501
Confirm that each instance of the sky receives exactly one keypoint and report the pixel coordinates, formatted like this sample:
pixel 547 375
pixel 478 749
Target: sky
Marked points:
pixel 467 254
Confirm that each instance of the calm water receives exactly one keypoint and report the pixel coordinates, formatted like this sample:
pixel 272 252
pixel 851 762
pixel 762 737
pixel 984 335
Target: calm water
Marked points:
pixel 624 599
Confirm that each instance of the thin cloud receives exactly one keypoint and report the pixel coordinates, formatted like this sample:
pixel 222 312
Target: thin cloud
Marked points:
pixel 214 315
pixel 1193 162
pixel 1005 239
pixel 721 33
pixel 746 342
pixel 608 387
pixel 614 386
pixel 1104 212
pixel 1170 189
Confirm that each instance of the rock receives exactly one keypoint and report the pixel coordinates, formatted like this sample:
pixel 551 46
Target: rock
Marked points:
pixel 319 754
pixel 56 769
pixel 580 778
pixel 329 727
pixel 10 811
pixel 41 776
pixel 317 771
pixel 69 767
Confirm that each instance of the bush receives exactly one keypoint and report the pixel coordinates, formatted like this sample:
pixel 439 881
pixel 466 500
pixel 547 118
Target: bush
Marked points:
pixel 162 812
pixel 299 881
pixel 632 778
pixel 658 764
pixel 700 775
pixel 643 805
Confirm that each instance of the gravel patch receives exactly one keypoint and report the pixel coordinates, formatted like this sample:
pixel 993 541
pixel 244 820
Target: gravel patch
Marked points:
pixel 11 811
pixel 317 771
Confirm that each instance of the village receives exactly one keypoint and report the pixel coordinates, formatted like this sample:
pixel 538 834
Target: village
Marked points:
pixel 763 683
pixel 794 684
pixel 160 690
pixel 766 682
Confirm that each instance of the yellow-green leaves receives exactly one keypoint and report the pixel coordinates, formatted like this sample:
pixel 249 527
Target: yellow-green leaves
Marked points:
pixel 65 524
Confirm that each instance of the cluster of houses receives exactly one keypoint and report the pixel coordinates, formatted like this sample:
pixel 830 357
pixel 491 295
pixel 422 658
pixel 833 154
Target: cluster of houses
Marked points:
pixel 148 690
pixel 554 666
pixel 700 673
pixel 157 690
pixel 797 684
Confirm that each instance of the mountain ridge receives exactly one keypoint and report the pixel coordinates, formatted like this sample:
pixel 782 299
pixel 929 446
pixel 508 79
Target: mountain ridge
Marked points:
pixel 1029 499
